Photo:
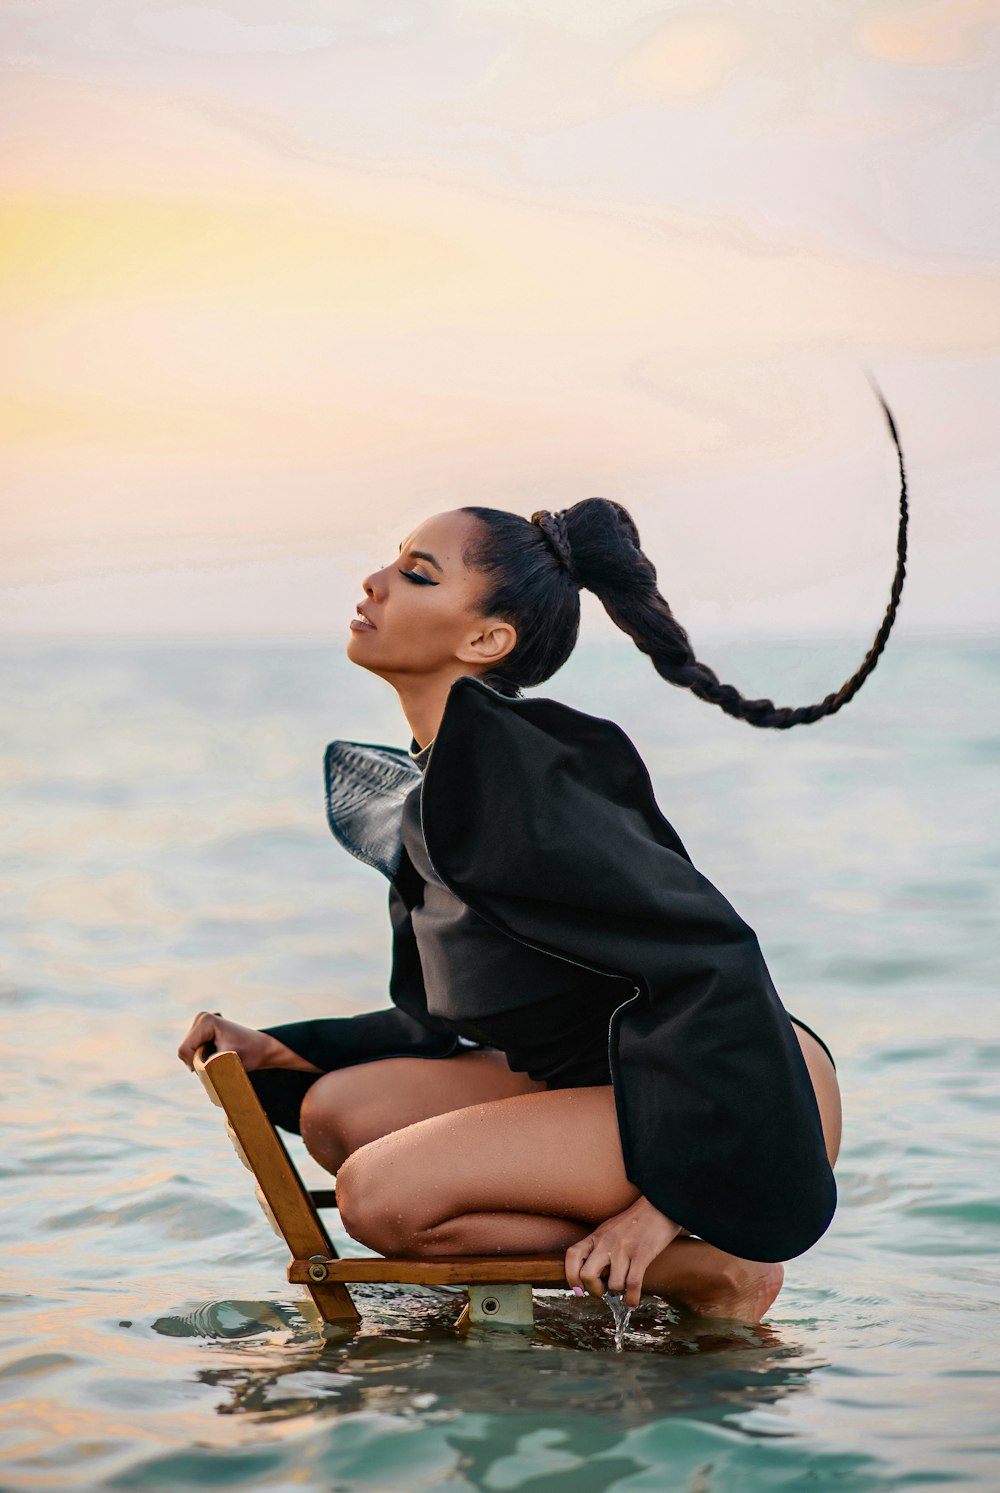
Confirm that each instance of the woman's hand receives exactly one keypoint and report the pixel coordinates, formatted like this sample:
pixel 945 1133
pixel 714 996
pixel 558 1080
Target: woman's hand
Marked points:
pixel 627 1243
pixel 254 1049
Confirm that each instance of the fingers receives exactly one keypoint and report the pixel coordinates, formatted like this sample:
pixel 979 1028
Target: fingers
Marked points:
pixel 625 1275
pixel 575 1256
pixel 585 1262
pixel 588 1260
pixel 633 1284
pixel 592 1269
pixel 201 1030
pixel 619 1270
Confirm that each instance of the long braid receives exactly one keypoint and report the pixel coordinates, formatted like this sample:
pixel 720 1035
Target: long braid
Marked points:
pixel 608 560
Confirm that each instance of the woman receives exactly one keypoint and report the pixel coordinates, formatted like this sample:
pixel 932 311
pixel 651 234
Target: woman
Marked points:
pixel 585 1051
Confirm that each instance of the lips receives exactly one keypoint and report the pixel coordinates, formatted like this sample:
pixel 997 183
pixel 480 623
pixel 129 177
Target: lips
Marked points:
pixel 362 622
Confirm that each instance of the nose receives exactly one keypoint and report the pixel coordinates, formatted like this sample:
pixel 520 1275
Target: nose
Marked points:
pixel 370 582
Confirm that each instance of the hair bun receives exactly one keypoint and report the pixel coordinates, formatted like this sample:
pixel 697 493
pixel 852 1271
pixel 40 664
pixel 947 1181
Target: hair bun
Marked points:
pixel 555 531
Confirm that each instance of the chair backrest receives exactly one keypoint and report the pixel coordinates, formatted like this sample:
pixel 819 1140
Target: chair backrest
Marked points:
pixel 286 1203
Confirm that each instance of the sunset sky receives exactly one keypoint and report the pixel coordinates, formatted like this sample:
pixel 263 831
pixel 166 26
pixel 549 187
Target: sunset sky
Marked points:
pixel 281 280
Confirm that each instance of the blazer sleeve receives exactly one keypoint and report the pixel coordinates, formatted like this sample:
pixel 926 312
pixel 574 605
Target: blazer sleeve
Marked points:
pixel 404 1029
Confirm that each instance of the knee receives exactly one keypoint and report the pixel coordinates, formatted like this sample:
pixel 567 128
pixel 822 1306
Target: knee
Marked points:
pixel 321 1126
pixel 372 1207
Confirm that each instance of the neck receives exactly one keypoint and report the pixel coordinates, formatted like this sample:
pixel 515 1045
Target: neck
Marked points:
pixel 423 702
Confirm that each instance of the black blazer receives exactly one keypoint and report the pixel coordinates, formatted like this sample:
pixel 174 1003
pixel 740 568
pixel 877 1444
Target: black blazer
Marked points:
pixel 542 819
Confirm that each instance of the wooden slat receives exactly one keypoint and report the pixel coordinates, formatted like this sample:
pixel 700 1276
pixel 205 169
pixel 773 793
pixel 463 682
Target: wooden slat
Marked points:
pixel 455 1270
pixel 323 1197
pixel 224 1076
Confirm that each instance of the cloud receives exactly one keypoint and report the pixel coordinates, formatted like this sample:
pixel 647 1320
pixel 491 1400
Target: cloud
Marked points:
pixel 684 60
pixel 203 28
pixel 941 33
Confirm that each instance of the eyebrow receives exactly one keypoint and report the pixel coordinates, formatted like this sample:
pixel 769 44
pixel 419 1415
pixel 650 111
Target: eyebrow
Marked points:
pixel 423 555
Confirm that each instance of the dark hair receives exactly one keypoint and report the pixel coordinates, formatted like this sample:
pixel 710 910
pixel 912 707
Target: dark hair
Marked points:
pixel 536 568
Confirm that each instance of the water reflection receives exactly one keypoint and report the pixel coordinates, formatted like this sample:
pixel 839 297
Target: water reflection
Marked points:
pixel 228 1319
pixel 407 1360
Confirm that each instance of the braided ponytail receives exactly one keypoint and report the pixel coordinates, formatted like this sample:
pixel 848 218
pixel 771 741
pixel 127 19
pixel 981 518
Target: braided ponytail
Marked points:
pixel 534 571
pixel 608 560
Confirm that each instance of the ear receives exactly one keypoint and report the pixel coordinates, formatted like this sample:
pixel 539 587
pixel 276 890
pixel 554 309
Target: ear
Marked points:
pixel 492 641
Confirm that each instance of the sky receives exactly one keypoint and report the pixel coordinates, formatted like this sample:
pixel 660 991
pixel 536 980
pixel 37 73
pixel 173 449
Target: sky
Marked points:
pixel 280 280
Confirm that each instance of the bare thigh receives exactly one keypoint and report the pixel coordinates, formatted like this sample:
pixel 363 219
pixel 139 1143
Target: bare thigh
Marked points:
pixel 355 1105
pixel 343 1111
pixel 826 1089
pixel 556 1153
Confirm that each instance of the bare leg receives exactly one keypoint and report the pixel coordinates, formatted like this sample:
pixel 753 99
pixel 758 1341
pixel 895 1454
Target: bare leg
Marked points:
pixel 432 1188
pixel 345 1110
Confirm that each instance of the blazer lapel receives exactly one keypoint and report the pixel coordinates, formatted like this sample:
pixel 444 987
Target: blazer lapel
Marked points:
pixel 366 785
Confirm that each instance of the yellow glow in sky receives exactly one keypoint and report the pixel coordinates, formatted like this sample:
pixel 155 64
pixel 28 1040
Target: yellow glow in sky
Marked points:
pixel 222 331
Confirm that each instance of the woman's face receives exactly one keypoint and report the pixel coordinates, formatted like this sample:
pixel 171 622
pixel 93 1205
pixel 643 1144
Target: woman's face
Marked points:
pixel 420 616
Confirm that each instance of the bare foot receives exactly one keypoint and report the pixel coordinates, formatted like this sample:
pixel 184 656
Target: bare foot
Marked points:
pixel 744 1292
pixel 710 1283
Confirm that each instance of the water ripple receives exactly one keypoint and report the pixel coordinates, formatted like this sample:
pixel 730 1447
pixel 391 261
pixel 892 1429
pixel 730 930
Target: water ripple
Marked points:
pixel 150 1338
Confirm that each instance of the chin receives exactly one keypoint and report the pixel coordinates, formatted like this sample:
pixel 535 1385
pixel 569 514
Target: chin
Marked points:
pixel 350 651
pixel 356 655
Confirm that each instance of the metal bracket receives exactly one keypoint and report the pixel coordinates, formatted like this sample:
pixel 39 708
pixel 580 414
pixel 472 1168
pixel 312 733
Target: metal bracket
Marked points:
pixel 500 1304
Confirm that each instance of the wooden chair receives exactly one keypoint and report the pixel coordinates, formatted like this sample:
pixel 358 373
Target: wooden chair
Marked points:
pixel 498 1287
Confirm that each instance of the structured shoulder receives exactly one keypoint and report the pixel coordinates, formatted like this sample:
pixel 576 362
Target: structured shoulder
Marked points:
pixel 470 694
pixel 538 729
pixel 528 780
pixel 531 763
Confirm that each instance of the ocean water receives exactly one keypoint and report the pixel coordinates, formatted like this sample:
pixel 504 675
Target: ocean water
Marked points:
pixel 164 848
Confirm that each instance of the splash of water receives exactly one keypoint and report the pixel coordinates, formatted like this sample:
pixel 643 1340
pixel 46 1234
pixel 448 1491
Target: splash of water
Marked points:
pixel 621 1314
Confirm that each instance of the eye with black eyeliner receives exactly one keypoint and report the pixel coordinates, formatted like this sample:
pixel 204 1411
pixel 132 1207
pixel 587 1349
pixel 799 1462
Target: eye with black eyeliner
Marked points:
pixel 415 576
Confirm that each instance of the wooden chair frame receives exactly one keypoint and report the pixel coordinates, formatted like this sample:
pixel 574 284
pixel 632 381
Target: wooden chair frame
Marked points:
pixel 498 1286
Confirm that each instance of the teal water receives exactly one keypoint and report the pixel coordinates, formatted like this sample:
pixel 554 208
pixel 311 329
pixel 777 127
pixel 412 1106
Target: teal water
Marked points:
pixel 164 849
